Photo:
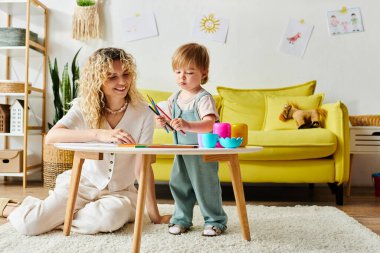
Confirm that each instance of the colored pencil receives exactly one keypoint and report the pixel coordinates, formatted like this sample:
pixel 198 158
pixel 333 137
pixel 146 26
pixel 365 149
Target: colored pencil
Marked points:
pixel 166 123
pixel 162 111
pixel 153 103
pixel 132 145
pixel 171 146
pixel 155 110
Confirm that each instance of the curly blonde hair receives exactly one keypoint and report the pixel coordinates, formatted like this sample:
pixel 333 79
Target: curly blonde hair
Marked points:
pixel 94 74
pixel 192 53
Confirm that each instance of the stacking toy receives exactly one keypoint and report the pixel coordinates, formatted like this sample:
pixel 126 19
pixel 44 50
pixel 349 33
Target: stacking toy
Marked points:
pixel 223 130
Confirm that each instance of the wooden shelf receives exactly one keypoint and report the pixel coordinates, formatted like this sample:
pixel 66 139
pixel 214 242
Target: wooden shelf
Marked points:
pixel 12 94
pixel 21 8
pixel 18 7
pixel 19 94
pixel 20 174
pixel 19 51
pixel 21 135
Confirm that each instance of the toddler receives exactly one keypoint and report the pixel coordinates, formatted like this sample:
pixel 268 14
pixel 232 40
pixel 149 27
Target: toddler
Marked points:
pixel 193 110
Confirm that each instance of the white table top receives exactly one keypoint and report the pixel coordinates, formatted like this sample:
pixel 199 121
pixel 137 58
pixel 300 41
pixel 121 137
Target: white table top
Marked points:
pixel 113 148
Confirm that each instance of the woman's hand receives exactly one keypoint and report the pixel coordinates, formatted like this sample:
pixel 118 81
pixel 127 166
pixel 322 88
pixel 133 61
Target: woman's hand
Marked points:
pixel 180 124
pixel 115 136
pixel 164 219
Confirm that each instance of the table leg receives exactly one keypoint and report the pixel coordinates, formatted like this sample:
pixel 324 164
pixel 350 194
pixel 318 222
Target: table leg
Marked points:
pixel 76 171
pixel 140 204
pixel 233 164
pixel 74 183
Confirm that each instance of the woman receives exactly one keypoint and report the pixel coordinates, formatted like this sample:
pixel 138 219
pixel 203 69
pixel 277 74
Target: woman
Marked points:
pixel 108 109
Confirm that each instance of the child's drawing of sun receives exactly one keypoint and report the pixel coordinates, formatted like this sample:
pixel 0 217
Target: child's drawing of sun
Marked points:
pixel 210 24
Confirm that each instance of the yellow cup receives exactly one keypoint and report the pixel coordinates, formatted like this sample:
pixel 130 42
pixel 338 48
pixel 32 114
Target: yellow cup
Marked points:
pixel 240 130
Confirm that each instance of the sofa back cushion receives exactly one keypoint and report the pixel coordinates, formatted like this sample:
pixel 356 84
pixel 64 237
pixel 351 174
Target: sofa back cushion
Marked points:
pixel 156 95
pixel 275 105
pixel 248 105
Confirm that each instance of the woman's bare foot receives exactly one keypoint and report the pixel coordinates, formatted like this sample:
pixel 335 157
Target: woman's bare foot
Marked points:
pixel 8 209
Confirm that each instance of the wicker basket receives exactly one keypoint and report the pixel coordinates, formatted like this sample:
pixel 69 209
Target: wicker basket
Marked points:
pixel 365 120
pixel 11 36
pixel 11 87
pixel 55 161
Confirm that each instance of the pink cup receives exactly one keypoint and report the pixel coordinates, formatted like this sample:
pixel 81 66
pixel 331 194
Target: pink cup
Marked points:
pixel 223 130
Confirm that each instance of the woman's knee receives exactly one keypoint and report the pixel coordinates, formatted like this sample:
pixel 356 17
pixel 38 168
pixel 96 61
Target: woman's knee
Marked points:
pixel 102 217
pixel 114 219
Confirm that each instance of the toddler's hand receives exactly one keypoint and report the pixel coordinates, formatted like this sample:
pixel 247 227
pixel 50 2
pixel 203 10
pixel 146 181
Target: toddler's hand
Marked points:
pixel 180 124
pixel 160 120
pixel 115 135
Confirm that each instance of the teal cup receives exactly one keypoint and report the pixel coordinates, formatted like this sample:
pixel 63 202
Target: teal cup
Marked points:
pixel 209 140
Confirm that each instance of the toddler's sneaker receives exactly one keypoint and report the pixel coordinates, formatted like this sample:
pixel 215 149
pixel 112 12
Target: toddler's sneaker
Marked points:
pixel 176 229
pixel 211 231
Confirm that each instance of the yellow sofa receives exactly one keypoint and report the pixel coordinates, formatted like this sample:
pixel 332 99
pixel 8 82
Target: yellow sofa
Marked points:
pixel 290 155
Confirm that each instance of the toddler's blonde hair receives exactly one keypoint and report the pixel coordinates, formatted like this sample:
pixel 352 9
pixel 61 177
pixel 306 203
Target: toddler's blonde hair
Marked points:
pixel 94 74
pixel 192 53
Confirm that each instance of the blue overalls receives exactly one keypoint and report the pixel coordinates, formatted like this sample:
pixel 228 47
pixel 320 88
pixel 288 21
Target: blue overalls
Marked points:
pixel 193 180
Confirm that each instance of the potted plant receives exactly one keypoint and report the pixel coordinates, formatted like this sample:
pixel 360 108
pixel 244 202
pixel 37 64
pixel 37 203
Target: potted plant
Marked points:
pixel 56 161
pixel 64 90
pixel 86 20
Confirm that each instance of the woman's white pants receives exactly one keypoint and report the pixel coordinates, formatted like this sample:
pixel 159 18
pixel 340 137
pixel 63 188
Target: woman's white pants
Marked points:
pixel 95 210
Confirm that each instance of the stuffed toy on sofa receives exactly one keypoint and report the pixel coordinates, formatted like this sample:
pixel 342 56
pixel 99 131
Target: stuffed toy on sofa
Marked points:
pixel 303 118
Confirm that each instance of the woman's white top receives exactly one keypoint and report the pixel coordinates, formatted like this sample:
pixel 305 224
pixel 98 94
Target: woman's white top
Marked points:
pixel 115 170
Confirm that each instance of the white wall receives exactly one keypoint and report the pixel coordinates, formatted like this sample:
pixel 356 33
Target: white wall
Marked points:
pixel 345 66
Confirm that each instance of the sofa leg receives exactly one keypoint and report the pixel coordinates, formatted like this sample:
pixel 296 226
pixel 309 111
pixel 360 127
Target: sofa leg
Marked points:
pixel 333 187
pixel 339 195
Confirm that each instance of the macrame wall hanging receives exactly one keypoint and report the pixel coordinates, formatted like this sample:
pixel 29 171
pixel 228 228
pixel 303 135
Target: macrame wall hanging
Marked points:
pixel 86 20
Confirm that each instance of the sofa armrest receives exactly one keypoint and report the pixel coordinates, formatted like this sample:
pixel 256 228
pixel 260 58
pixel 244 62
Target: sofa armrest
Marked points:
pixel 337 122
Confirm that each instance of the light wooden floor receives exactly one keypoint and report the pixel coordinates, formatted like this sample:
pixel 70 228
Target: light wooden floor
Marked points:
pixel 362 205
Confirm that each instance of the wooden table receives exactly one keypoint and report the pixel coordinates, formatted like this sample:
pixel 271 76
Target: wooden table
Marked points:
pixel 95 151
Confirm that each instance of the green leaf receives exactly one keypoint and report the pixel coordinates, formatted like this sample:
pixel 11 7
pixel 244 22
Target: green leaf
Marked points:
pixel 75 74
pixel 66 89
pixel 54 74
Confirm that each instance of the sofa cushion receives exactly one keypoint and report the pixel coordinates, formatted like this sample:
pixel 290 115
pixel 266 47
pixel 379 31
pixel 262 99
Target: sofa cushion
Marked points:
pixel 291 144
pixel 156 95
pixel 275 105
pixel 248 105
